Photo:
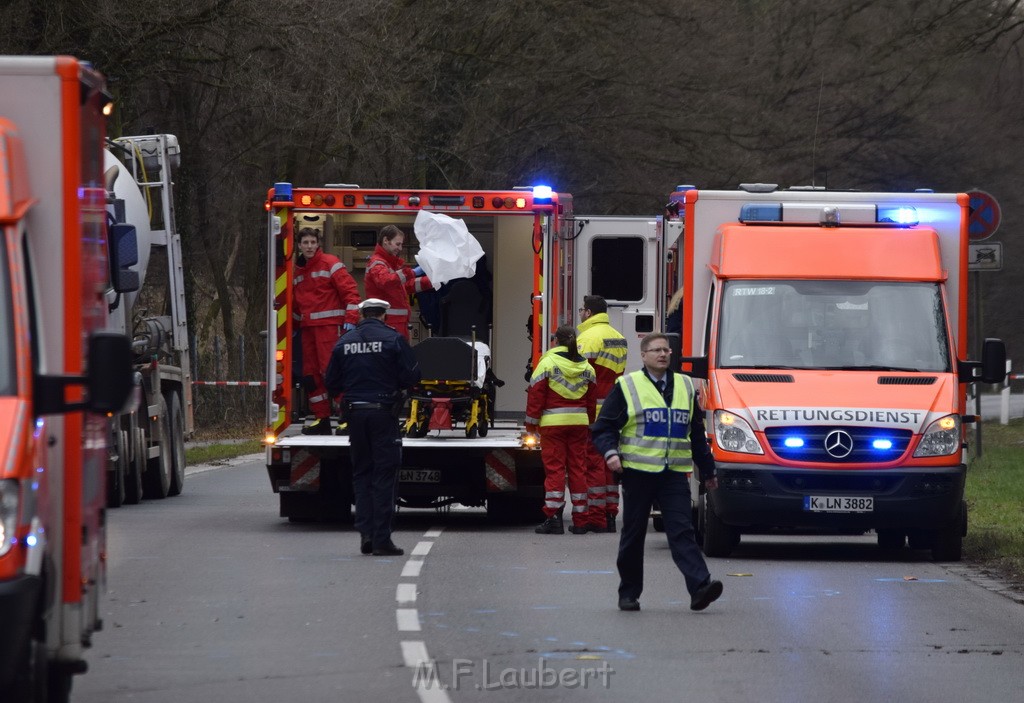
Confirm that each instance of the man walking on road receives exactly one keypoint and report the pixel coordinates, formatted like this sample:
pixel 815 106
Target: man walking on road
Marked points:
pixel 372 365
pixel 605 348
pixel 651 429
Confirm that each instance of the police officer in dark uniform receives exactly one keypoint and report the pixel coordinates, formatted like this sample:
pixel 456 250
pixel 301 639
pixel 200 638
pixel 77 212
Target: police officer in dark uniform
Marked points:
pixel 371 365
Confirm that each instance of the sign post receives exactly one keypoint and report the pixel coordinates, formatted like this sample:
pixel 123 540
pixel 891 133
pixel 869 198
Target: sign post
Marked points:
pixel 982 222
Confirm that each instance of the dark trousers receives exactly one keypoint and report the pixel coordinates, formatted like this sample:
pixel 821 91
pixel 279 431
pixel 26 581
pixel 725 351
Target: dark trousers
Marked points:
pixel 672 491
pixel 376 458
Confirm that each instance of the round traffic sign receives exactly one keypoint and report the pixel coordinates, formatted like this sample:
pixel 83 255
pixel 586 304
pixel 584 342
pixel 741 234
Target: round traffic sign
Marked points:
pixel 983 220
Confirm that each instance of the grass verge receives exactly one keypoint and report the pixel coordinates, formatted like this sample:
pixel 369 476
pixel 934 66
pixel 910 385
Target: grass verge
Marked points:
pixel 206 453
pixel 995 496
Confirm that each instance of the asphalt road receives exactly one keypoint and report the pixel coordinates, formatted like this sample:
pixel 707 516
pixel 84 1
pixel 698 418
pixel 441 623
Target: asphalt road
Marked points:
pixel 212 597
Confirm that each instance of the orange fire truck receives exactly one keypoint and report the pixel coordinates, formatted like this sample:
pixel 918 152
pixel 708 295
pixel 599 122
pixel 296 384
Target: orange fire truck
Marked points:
pixel 61 373
pixel 528 289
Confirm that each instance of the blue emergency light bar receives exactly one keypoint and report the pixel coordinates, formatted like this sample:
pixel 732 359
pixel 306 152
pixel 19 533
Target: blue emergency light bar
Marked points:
pixel 818 213
pixel 542 194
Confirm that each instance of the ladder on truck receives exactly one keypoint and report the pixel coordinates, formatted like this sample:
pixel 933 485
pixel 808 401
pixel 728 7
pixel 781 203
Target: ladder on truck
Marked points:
pixel 154 157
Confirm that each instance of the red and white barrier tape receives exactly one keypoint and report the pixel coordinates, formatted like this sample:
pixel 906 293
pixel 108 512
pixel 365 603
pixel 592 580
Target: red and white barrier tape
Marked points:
pixel 229 383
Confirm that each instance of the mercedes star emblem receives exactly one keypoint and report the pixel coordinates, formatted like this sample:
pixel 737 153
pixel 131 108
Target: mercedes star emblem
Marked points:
pixel 838 444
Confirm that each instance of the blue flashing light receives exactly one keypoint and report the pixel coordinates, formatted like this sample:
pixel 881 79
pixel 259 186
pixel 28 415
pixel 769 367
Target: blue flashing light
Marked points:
pixel 31 540
pixel 793 442
pixel 882 444
pixel 542 194
pixel 761 212
pixel 283 192
pixel 897 215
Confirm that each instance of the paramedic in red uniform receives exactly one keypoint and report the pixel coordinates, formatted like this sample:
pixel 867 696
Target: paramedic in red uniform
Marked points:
pixel 561 402
pixel 326 302
pixel 605 348
pixel 389 278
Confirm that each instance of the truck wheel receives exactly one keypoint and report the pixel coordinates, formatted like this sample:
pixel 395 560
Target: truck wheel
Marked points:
pixel 949 540
pixel 156 482
pixel 29 684
pixel 176 442
pixel 118 472
pixel 891 540
pixel 719 539
pixel 136 467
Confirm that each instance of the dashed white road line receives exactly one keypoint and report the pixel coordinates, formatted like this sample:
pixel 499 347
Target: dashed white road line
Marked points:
pixel 406 593
pixel 408 619
pixel 414 652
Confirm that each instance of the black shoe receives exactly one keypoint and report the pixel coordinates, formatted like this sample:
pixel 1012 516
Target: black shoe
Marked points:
pixel 365 544
pixel 319 426
pixel 707 594
pixel 609 523
pixel 551 526
pixel 579 530
pixel 629 604
pixel 388 550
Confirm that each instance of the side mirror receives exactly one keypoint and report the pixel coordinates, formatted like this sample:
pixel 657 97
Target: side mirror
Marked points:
pixel 124 252
pixel 991 368
pixel 993 361
pixel 110 379
pixel 108 384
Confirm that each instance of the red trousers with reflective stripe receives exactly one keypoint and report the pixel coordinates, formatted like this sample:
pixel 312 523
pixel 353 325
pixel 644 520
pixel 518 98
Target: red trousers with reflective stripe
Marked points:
pixel 607 502
pixel 317 344
pixel 563 449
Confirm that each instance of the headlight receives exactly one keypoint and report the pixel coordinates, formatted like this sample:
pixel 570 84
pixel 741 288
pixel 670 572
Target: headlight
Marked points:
pixel 941 438
pixel 734 434
pixel 8 514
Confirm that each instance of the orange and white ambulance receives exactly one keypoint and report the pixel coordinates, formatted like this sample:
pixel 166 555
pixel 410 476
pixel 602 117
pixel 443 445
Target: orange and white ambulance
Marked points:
pixel 61 372
pixel 521 291
pixel 832 330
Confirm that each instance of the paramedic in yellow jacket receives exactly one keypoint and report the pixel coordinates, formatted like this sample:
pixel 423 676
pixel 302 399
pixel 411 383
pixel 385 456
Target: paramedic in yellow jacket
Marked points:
pixel 560 402
pixel 605 348
pixel 651 429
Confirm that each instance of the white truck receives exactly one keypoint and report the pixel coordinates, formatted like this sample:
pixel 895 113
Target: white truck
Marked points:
pixel 148 444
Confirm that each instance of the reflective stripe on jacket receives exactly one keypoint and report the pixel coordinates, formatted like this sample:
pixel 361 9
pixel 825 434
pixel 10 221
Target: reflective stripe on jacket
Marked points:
pixel 656 436
pixel 325 292
pixel 389 278
pixel 605 348
pixel 562 391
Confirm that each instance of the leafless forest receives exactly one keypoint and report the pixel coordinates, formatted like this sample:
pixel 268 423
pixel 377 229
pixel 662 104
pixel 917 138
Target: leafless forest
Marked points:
pixel 614 101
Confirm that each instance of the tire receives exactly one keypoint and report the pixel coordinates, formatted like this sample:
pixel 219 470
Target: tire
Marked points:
pixel 948 544
pixel 156 482
pixel 176 443
pixel 472 431
pixel 118 471
pixel 719 539
pixel 31 678
pixel 891 540
pixel 136 467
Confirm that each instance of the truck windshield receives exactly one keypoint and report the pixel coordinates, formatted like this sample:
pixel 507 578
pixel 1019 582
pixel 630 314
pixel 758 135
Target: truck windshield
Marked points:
pixel 7 362
pixel 870 325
